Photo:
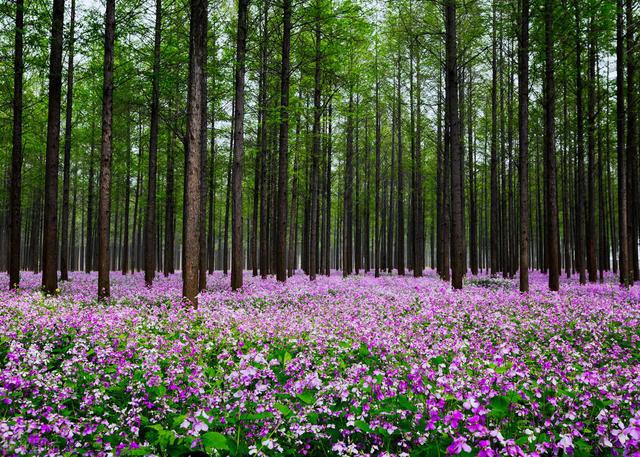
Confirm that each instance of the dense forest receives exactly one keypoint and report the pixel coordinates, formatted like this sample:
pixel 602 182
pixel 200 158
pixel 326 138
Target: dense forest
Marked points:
pixel 465 136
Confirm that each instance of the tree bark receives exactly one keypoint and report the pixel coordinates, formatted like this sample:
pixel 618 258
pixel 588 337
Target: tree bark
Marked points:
pixel 104 203
pixel 591 146
pixel 620 148
pixel 238 148
pixel 150 219
pixel 192 175
pixel 315 154
pixel 64 250
pixel 523 139
pixel 552 238
pixel 457 226
pixel 50 234
pixel 15 193
pixel 283 148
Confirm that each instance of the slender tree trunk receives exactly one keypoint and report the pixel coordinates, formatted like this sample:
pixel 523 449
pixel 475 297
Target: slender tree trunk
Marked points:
pixel 580 190
pixel 418 232
pixel 620 147
pixel 327 227
pixel 457 228
pixel 633 206
pixel 551 203
pixel 193 163
pixel 347 254
pixel 494 152
pixel 64 251
pixel 591 146
pixel 523 138
pixel 283 148
pixel 202 276
pixel 169 211
pixel 473 209
pixel 238 148
pixel 104 210
pixel 88 266
pixel 315 154
pixel 400 197
pixel 127 198
pixel 15 193
pixel 378 164
pixel 150 213
pixel 50 234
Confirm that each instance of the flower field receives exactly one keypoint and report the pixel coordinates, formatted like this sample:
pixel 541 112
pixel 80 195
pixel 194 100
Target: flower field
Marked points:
pixel 363 366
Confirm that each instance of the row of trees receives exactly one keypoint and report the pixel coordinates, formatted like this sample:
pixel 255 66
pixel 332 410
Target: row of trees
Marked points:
pixel 321 134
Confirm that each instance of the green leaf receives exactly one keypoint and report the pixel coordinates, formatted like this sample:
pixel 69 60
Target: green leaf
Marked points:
pixel 307 397
pixel 284 409
pixel 363 426
pixel 214 440
pixel 287 358
pixel 499 406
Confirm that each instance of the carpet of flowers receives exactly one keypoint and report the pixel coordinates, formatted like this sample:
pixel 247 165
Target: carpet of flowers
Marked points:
pixel 362 366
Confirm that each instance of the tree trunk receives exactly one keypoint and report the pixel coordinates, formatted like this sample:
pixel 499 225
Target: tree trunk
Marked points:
pixel 494 153
pixel 620 148
pixel 64 251
pixel 457 228
pixel 315 154
pixel 580 190
pixel 104 209
pixel 169 211
pixel 150 219
pixel 591 146
pixel 523 138
pixel 127 198
pixel 399 201
pixel 552 239
pixel 347 253
pixel 238 148
pixel 15 193
pixel 633 206
pixel 192 175
pixel 283 148
pixel 50 234
pixel 378 147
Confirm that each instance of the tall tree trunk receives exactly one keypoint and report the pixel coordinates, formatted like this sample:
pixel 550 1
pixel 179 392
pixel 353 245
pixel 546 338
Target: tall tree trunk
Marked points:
pixel 457 228
pixel 473 209
pixel 238 148
pixel 378 164
pixel 327 227
pixel 523 138
pixel 88 265
pixel 551 203
pixel 104 204
pixel 580 190
pixel 399 202
pixel 591 146
pixel 494 151
pixel 64 251
pixel 283 148
pixel 169 211
pixel 418 219
pixel 202 276
pixel 15 193
pixel 192 175
pixel 347 253
pixel 50 234
pixel 633 206
pixel 127 198
pixel 620 148
pixel 315 154
pixel 150 213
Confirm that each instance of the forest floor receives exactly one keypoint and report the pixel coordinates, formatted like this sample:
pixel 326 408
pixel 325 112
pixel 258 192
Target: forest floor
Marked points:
pixel 362 366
